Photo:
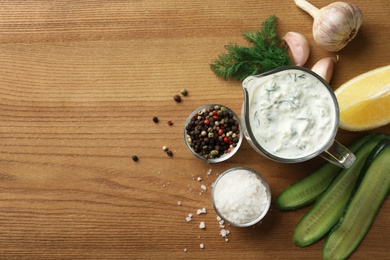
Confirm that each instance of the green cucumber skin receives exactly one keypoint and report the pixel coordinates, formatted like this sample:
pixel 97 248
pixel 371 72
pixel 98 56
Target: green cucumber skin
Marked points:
pixel 325 213
pixel 363 206
pixel 309 188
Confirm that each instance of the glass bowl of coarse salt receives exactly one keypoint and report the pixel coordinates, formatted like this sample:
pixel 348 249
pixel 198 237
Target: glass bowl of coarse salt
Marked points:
pixel 213 133
pixel 241 197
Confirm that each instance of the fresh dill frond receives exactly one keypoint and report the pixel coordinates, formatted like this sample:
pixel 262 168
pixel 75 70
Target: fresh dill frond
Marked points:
pixel 267 52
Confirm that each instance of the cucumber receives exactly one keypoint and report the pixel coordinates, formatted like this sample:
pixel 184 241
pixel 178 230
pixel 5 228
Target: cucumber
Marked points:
pixel 366 199
pixel 309 188
pixel 327 210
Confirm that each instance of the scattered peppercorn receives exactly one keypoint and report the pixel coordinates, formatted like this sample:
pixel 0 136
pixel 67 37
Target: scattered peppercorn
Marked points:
pixel 213 132
pixel 177 98
pixel 155 119
pixel 184 92
pixel 170 122
pixel 170 153
pixel 135 158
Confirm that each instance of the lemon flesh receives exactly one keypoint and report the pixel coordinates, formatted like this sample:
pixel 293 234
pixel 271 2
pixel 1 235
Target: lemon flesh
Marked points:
pixel 364 101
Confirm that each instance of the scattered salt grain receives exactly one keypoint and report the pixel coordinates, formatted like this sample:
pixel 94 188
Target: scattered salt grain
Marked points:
pixel 185 250
pixel 209 171
pixel 201 211
pixel 202 225
pixel 203 187
pixel 179 203
pixel 189 217
pixel 224 233
pixel 201 246
pixel 199 179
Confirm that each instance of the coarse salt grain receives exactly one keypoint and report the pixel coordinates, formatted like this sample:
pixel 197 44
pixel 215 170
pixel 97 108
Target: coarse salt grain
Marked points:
pixel 203 187
pixel 201 246
pixel 202 225
pixel 189 217
pixel 201 211
pixel 241 203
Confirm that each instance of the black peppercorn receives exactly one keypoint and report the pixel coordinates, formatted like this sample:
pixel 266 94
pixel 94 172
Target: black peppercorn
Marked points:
pixel 170 153
pixel 155 119
pixel 177 98
pixel 135 158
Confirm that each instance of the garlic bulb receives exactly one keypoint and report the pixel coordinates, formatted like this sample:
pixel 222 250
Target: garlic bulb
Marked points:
pixel 334 25
pixel 324 67
pixel 299 47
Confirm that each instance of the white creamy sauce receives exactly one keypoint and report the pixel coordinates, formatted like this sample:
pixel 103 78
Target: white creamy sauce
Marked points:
pixel 292 114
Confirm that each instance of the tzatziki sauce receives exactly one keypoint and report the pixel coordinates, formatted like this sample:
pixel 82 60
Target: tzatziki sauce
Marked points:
pixel 292 114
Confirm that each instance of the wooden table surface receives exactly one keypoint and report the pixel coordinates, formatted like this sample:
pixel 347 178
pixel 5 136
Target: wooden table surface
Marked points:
pixel 80 82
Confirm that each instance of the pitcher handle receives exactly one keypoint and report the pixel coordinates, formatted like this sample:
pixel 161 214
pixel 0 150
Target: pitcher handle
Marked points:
pixel 339 155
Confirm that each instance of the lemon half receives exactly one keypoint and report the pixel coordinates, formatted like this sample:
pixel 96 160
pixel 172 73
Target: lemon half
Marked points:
pixel 364 101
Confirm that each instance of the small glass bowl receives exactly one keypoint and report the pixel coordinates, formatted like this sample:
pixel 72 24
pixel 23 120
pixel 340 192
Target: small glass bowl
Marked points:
pixel 224 156
pixel 260 178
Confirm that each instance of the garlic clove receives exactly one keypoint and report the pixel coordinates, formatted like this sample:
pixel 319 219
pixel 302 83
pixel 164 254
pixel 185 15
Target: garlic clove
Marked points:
pixel 299 47
pixel 335 25
pixel 324 67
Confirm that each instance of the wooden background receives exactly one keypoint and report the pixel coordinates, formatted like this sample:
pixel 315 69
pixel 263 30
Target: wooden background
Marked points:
pixel 79 84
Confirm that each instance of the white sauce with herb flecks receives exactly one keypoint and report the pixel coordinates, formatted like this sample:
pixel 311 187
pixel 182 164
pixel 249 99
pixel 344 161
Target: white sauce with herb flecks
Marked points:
pixel 292 114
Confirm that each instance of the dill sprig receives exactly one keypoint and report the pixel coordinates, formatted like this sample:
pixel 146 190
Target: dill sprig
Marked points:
pixel 267 52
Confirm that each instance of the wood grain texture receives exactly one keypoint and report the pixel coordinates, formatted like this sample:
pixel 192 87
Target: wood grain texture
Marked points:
pixel 79 84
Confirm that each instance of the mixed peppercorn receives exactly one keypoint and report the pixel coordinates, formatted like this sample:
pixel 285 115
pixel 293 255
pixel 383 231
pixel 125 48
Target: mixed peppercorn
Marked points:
pixel 213 132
